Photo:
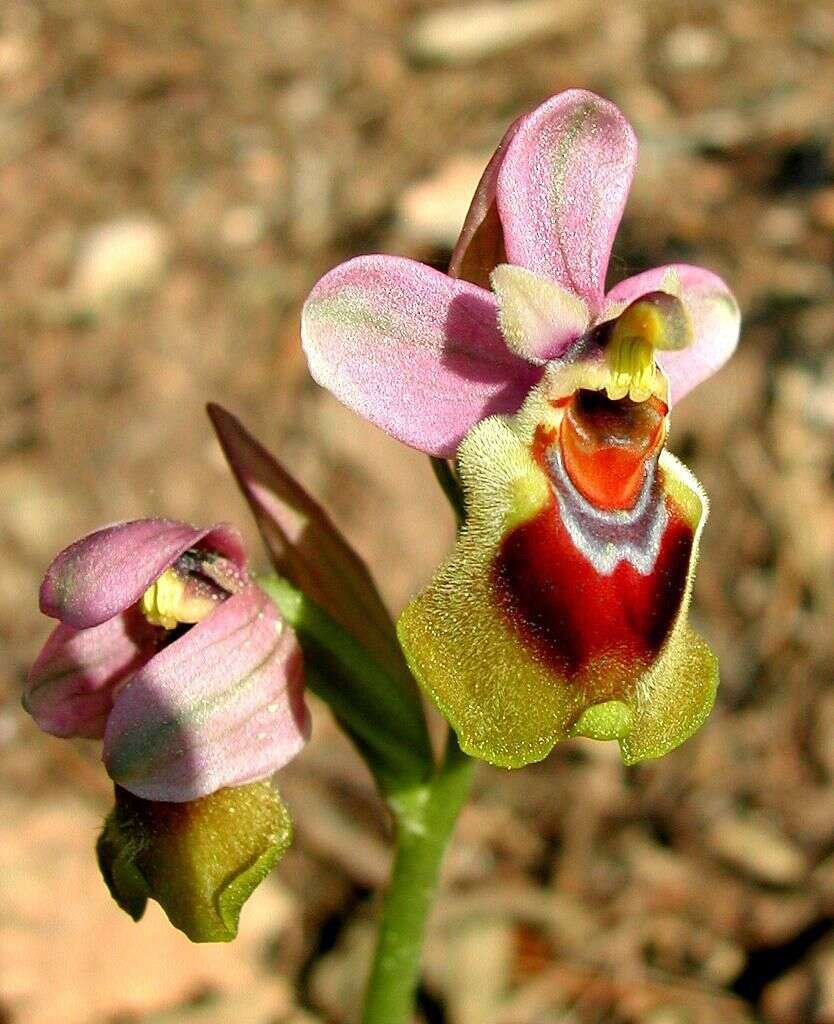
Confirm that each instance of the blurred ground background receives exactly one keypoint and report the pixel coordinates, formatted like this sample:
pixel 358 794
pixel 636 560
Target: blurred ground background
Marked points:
pixel 173 179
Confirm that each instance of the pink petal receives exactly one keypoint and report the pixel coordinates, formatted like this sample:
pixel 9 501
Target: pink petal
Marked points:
pixel 480 247
pixel 221 706
pixel 562 187
pixel 715 318
pixel 414 351
pixel 69 691
pixel 304 544
pixel 108 570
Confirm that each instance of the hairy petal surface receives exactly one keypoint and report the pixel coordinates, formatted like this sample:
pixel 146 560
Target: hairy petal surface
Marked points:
pixel 107 571
pixel 414 351
pixel 677 693
pixel 535 629
pixel 562 187
pixel 539 318
pixel 69 690
pixel 221 706
pixel 714 312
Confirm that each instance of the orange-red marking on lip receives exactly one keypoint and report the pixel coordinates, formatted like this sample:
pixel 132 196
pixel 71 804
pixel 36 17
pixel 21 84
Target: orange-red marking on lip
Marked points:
pixel 606 443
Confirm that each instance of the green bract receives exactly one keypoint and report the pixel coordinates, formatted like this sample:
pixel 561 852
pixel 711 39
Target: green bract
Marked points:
pixel 200 860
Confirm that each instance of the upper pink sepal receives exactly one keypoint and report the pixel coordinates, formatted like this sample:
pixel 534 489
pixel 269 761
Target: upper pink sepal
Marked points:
pixel 562 187
pixel 107 571
pixel 714 312
pixel 480 246
pixel 415 351
pixel 69 690
pixel 221 706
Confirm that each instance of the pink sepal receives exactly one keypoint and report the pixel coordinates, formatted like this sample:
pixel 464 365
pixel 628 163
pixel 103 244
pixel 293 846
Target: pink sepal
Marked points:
pixel 220 706
pixel 69 690
pixel 562 187
pixel 107 571
pixel 414 351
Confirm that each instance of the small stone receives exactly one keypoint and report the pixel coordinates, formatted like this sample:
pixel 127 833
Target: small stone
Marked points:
pixel 243 226
pixel 464 35
pixel 757 847
pixel 724 963
pixel 432 211
pixel 120 258
pixel 693 48
pixel 782 225
pixel 303 102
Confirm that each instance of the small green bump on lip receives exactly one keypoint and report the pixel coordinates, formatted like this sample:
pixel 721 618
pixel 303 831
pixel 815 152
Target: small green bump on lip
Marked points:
pixel 608 721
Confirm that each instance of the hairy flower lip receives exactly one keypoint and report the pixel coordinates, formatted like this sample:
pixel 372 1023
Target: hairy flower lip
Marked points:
pixel 495 682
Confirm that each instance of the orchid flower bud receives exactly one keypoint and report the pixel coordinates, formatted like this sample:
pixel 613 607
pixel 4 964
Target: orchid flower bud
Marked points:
pixel 168 652
pixel 200 860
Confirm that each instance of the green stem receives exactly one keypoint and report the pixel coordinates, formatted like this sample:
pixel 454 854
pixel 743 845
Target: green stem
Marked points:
pixel 425 818
pixel 386 721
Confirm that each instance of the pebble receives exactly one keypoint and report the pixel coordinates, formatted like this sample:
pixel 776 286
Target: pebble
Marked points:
pixel 782 225
pixel 693 48
pixel 117 259
pixel 472 32
pixel 758 848
pixel 243 226
pixel 432 211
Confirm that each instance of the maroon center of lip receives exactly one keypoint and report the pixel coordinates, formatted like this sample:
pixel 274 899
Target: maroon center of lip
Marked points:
pixel 572 616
